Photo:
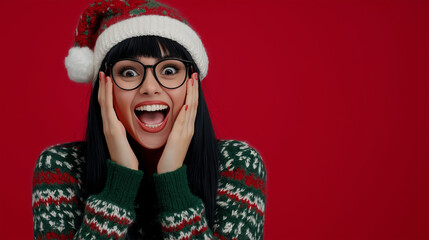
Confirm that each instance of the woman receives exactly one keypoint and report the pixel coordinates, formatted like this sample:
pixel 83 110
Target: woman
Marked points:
pixel 150 167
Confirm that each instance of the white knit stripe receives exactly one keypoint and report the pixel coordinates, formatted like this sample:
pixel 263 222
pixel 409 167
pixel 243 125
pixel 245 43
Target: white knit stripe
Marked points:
pixel 252 220
pixel 225 153
pixel 57 225
pixel 242 195
pixel 238 228
pixel 228 227
pixel 37 223
pixel 155 25
pixel 75 155
pixel 108 209
pixel 176 219
pixel 241 145
pixel 250 235
pixel 56 152
pixel 104 226
pixel 250 162
pixel 229 165
pixel 188 234
pixel 46 216
pixel 63 163
pixel 46 162
pixel 247 155
pixel 54 195
pixel 237 232
pixel 240 214
pixel 69 166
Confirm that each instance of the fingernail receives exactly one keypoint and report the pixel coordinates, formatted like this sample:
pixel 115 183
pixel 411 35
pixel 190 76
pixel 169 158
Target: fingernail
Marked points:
pixel 186 108
pixel 196 76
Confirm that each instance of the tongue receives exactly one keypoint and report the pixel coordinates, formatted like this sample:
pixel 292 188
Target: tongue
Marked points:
pixel 151 118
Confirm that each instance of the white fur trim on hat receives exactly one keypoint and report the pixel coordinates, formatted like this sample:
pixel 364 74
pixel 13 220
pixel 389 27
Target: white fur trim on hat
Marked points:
pixel 154 25
pixel 80 64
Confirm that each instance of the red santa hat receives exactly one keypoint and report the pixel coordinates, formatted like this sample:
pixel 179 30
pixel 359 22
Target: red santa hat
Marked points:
pixel 105 23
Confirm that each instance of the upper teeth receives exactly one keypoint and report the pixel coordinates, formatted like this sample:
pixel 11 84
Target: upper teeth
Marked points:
pixel 151 108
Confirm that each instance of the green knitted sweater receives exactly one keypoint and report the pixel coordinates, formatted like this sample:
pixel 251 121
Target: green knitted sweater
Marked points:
pixel 135 206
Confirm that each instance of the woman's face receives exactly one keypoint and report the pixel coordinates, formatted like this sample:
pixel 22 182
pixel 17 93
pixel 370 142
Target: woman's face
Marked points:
pixel 148 113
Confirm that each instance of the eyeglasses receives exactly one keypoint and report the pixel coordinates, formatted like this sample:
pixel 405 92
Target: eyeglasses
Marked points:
pixel 129 74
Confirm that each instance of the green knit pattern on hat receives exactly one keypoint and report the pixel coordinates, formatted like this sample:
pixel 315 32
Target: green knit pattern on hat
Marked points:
pixel 103 13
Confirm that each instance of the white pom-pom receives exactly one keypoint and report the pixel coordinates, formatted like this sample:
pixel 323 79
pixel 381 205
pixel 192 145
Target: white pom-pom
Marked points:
pixel 79 64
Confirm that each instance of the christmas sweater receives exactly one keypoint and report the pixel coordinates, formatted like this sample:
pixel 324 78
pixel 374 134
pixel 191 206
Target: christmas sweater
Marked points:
pixel 155 207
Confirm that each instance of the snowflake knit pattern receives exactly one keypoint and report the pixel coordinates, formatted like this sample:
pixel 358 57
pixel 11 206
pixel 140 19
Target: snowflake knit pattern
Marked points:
pixel 60 212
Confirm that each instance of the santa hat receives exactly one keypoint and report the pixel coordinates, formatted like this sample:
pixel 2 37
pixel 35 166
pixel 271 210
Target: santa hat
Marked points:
pixel 105 23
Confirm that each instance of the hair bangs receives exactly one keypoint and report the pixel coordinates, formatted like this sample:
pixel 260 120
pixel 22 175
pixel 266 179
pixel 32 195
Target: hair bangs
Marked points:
pixel 146 46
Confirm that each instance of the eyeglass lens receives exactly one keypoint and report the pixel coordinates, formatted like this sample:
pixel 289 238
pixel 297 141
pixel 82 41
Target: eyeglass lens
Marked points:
pixel 129 74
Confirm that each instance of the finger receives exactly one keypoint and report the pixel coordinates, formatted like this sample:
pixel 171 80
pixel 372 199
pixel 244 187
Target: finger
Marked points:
pixel 189 91
pixel 194 101
pixel 101 88
pixel 180 120
pixel 102 98
pixel 189 100
pixel 108 92
pixel 110 110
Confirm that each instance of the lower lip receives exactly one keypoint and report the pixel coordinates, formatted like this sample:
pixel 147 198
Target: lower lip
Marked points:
pixel 153 130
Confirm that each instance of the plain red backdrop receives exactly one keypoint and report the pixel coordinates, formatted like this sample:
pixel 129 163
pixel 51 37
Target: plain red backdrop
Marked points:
pixel 333 94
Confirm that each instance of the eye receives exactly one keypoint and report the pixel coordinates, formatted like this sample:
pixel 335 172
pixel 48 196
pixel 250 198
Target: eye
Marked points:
pixel 129 73
pixel 169 71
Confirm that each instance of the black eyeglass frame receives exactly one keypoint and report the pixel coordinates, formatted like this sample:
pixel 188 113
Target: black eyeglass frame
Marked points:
pixel 188 64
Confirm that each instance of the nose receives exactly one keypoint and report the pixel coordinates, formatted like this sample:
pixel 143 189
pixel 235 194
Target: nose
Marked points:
pixel 150 86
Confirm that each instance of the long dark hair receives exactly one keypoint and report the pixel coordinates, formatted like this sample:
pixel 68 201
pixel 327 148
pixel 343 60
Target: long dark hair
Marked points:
pixel 202 156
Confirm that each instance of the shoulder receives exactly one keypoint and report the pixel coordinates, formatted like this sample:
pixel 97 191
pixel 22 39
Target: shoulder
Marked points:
pixel 64 156
pixel 57 190
pixel 61 164
pixel 240 155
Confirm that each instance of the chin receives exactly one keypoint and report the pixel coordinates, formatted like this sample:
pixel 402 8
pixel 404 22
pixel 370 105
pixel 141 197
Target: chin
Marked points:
pixel 151 140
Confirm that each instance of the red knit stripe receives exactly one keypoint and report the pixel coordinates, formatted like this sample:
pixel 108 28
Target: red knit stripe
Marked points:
pixel 238 199
pixel 56 201
pixel 183 224
pixel 250 180
pixel 94 227
pixel 54 235
pixel 222 237
pixel 195 232
pixel 122 221
pixel 56 177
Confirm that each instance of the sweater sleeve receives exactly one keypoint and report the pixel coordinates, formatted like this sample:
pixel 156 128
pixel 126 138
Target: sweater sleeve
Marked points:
pixel 59 211
pixel 240 201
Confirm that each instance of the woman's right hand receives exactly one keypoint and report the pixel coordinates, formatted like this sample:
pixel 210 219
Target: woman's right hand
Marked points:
pixel 114 131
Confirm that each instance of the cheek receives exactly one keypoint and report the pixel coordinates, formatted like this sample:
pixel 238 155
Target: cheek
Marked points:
pixel 178 98
pixel 122 103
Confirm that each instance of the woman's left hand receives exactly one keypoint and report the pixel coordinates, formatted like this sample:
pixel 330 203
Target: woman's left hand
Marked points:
pixel 183 130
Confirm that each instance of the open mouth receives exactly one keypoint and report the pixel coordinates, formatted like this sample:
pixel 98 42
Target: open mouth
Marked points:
pixel 152 117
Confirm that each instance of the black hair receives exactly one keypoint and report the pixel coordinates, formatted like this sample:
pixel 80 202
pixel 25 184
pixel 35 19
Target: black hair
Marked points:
pixel 202 155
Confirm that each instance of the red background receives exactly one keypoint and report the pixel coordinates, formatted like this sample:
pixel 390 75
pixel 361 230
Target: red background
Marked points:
pixel 333 94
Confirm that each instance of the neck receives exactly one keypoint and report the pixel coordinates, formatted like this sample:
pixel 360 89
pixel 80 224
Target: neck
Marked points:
pixel 148 158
